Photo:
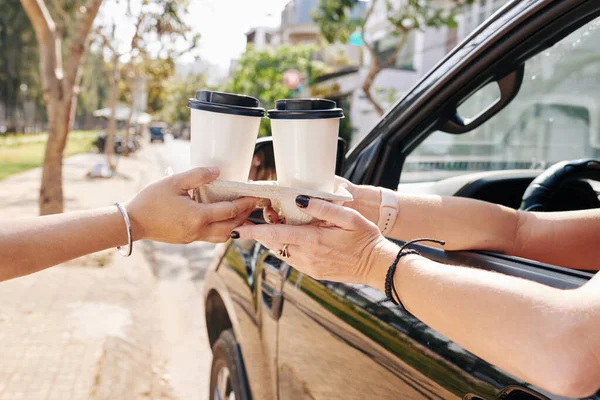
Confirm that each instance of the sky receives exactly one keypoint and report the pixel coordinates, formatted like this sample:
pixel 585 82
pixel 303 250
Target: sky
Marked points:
pixel 221 23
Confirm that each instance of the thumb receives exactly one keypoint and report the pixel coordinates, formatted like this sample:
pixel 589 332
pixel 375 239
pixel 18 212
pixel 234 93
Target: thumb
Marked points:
pixel 195 177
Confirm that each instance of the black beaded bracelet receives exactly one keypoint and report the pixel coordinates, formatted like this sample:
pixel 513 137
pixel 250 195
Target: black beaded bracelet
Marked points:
pixel 390 288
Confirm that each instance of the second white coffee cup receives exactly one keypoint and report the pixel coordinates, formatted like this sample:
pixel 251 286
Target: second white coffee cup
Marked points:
pixel 224 128
pixel 305 135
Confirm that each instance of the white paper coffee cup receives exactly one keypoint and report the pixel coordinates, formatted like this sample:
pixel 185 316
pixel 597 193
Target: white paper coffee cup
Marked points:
pixel 223 132
pixel 305 135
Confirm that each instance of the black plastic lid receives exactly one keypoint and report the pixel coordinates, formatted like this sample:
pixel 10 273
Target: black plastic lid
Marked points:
pixel 305 109
pixel 226 103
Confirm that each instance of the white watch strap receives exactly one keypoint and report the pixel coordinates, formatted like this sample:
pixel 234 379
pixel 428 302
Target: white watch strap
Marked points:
pixel 388 211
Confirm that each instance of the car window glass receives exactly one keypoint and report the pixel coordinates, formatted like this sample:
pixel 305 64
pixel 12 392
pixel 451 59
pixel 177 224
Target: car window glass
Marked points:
pixel 555 117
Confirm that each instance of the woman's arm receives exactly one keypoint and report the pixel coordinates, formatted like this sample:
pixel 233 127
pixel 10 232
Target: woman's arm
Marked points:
pixel 545 336
pixel 467 224
pixel 162 212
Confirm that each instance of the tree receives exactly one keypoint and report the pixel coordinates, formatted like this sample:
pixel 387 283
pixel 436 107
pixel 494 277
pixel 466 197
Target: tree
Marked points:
pixel 404 17
pixel 59 77
pixel 176 94
pixel 19 73
pixel 260 74
pixel 158 23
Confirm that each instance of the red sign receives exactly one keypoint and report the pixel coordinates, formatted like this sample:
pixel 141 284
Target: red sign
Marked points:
pixel 292 78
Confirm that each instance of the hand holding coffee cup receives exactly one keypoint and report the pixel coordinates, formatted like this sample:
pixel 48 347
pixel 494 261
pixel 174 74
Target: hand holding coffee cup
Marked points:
pixel 224 128
pixel 305 141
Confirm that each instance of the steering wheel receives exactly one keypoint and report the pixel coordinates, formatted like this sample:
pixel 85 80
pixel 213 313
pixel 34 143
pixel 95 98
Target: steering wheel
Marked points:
pixel 544 187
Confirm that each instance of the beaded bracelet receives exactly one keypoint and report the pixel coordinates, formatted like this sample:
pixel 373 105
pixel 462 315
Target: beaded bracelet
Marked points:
pixel 390 288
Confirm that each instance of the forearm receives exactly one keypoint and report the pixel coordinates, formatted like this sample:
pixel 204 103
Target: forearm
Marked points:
pixel 34 244
pixel 464 224
pixel 467 224
pixel 525 328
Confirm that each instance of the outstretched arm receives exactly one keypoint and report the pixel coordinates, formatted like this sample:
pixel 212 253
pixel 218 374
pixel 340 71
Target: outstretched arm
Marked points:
pixel 467 224
pixel 162 212
pixel 545 336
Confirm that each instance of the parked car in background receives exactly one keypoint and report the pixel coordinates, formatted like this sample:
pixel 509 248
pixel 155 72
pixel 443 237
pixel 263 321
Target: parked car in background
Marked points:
pixel 133 143
pixel 158 130
pixel 279 334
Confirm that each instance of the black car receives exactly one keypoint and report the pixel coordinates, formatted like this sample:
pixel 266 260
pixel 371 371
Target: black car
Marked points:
pixel 279 334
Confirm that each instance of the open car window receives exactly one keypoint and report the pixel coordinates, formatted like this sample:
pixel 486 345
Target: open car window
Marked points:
pixel 554 117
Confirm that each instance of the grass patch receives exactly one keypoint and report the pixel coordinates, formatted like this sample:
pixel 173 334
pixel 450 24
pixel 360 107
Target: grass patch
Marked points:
pixel 20 153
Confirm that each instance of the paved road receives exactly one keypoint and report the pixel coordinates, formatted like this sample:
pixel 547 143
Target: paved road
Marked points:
pixel 180 271
pixel 173 153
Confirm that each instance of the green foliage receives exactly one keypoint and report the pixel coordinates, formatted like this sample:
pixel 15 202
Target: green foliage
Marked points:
pixel 157 72
pixel 420 14
pixel 177 92
pixel 159 26
pixel 95 87
pixel 19 153
pixel 333 19
pixel 19 61
pixel 260 74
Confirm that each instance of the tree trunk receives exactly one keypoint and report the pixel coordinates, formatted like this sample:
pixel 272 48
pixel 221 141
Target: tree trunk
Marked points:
pixel 374 69
pixel 51 189
pixel 127 127
pixel 57 84
pixel 109 148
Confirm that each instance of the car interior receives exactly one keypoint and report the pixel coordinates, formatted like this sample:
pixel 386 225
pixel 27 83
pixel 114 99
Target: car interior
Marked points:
pixel 500 133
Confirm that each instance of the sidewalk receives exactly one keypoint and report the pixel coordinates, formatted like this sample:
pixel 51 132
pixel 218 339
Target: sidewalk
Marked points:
pixel 85 329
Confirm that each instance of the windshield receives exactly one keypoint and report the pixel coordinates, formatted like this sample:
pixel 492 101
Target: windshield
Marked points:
pixel 554 117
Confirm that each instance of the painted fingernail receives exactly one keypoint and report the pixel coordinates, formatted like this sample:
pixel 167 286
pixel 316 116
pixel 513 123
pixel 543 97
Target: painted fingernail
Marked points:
pixel 270 219
pixel 234 235
pixel 302 201
pixel 282 221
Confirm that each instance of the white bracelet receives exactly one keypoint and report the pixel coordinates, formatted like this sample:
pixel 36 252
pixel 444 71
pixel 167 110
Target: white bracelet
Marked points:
pixel 388 211
pixel 129 236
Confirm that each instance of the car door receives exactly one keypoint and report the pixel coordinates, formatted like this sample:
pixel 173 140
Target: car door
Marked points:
pixel 347 341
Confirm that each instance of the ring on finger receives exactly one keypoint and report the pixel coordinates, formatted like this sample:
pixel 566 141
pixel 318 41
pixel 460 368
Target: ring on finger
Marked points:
pixel 284 252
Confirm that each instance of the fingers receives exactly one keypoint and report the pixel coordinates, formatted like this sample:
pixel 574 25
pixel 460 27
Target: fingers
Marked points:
pixel 270 215
pixel 225 210
pixel 219 232
pixel 269 234
pixel 337 215
pixel 195 177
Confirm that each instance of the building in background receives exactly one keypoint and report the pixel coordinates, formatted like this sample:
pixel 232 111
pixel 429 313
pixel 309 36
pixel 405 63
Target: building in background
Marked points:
pixel 350 62
pixel 423 50
pixel 261 38
pixel 297 25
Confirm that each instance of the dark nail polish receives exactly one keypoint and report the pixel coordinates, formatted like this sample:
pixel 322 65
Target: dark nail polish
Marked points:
pixel 302 201
pixel 234 235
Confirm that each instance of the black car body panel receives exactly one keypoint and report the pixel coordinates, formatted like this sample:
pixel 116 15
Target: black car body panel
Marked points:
pixel 303 338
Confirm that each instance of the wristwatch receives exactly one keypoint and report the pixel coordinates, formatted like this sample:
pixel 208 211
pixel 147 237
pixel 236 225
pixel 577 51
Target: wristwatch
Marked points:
pixel 388 211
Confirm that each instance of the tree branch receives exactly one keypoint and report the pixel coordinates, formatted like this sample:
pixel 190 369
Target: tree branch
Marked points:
pixel 80 40
pixel 397 50
pixel 374 68
pixel 62 16
pixel 50 57
pixel 137 36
